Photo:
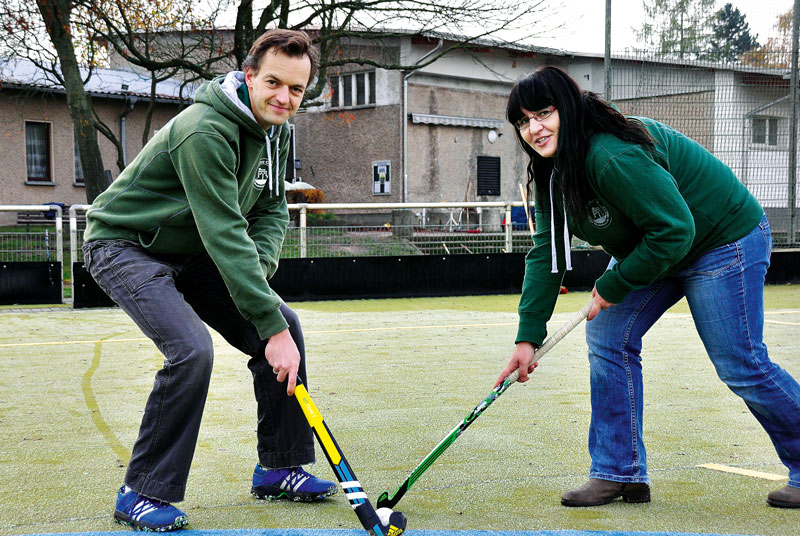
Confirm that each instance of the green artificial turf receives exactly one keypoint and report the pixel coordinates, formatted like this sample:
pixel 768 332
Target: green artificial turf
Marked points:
pixel 392 378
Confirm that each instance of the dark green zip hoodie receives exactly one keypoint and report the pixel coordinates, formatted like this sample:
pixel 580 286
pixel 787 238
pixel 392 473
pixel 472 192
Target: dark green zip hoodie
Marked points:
pixel 655 212
pixel 212 179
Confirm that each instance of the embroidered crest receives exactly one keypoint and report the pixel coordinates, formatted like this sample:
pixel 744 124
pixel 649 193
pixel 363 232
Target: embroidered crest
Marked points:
pixel 599 216
pixel 262 174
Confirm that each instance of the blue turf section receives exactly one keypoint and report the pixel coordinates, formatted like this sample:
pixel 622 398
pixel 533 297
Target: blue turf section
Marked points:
pixel 411 532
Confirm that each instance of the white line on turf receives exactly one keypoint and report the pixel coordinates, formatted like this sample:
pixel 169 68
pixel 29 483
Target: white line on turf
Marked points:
pixel 384 328
pixel 740 471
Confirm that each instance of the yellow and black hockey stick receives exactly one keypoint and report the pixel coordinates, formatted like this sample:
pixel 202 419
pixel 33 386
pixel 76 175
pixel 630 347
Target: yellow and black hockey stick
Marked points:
pixel 388 523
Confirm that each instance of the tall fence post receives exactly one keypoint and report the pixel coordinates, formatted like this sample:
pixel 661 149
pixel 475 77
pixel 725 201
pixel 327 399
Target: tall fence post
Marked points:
pixel 607 55
pixel 73 234
pixel 303 227
pixel 60 245
pixel 509 227
pixel 793 130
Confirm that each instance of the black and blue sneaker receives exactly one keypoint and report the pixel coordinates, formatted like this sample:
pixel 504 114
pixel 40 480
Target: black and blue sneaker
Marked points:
pixel 143 513
pixel 294 484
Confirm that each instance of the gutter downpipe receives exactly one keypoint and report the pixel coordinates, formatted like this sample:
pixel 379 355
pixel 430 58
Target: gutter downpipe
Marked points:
pixel 405 117
pixel 122 136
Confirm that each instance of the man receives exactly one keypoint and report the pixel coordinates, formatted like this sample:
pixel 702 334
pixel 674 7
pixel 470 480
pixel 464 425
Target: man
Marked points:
pixel 189 234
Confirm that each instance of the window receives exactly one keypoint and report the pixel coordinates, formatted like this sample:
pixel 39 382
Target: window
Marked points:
pixel 488 175
pixel 37 151
pixel 352 89
pixel 78 165
pixel 765 131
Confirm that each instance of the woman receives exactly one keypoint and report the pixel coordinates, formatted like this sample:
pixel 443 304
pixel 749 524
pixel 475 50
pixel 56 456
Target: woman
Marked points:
pixel 677 223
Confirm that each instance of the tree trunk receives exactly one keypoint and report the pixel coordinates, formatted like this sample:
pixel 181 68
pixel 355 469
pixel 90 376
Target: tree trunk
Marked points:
pixel 243 31
pixel 56 15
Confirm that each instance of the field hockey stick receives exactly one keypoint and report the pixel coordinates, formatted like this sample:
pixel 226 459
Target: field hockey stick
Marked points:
pixel 386 501
pixel 388 523
pixel 524 194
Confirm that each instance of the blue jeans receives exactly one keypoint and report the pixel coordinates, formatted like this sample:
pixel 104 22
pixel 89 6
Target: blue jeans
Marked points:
pixel 725 292
pixel 171 298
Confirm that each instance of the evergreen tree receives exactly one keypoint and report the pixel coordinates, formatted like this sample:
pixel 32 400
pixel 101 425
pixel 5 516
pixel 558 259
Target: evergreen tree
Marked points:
pixel 730 36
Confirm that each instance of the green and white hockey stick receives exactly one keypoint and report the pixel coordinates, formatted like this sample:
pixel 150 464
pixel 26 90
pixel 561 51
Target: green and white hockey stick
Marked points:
pixel 386 501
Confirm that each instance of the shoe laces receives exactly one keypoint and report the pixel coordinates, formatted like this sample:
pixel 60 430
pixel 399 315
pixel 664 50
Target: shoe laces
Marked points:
pixel 145 505
pixel 295 478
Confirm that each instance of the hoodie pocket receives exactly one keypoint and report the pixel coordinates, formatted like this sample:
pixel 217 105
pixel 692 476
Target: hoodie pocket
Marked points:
pixel 172 240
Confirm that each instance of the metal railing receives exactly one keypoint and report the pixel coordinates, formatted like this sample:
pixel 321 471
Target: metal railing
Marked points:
pixel 27 246
pixel 35 247
pixel 464 229
pixel 435 228
pixel 75 238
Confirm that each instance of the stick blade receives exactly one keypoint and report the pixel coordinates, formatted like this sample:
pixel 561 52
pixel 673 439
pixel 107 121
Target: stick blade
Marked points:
pixel 384 501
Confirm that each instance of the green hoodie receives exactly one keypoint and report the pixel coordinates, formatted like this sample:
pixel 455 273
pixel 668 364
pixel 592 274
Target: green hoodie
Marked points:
pixel 211 180
pixel 655 212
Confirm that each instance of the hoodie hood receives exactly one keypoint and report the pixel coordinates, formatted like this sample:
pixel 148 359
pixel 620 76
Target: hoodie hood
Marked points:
pixel 221 94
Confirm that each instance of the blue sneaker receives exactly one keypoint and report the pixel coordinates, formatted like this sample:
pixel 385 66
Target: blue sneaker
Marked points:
pixel 294 484
pixel 146 514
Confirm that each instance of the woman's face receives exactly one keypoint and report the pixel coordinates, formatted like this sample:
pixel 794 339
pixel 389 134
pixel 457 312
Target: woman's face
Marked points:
pixel 539 129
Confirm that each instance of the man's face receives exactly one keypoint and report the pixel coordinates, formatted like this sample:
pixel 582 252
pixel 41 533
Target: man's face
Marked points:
pixel 277 89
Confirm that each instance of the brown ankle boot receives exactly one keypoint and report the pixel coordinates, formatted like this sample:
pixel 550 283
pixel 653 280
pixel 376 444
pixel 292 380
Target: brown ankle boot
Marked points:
pixel 786 497
pixel 596 492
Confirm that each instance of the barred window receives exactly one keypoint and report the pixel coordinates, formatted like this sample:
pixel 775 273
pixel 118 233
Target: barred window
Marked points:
pixel 352 89
pixel 37 151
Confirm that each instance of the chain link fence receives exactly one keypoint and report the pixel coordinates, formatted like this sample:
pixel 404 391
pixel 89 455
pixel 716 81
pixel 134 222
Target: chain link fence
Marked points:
pixel 700 67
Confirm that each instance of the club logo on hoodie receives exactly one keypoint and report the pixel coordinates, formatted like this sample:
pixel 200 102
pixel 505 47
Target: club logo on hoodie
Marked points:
pixel 262 174
pixel 599 216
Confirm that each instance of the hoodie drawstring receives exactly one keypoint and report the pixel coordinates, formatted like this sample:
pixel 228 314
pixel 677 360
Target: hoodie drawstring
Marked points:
pixel 277 158
pixel 567 254
pixel 273 189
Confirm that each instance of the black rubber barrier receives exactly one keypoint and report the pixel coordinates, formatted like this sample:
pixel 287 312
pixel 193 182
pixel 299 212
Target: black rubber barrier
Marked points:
pixel 419 276
pixel 784 267
pixel 85 291
pixel 36 282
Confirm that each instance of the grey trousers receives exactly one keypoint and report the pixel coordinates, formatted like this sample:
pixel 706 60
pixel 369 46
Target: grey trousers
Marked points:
pixel 170 297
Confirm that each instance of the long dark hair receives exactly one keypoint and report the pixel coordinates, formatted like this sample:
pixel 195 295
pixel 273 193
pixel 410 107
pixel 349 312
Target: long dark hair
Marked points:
pixel 581 114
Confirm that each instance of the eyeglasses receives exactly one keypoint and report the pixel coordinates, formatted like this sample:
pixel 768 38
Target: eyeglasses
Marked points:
pixel 525 122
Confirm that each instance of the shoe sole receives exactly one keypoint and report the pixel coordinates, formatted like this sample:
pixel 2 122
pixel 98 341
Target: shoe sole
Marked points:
pixel 782 504
pixel 273 494
pixel 122 519
pixel 627 499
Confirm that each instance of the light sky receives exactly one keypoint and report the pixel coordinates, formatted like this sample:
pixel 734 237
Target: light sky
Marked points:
pixel 584 22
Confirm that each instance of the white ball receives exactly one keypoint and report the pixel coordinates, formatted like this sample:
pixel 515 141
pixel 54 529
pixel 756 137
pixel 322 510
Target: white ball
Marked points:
pixel 383 515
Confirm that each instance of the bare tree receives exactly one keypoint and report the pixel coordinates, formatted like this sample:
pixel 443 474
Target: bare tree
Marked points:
pixel 45 34
pixel 181 38
pixel 207 51
pixel 62 38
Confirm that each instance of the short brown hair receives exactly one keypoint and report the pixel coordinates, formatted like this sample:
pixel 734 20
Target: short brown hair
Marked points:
pixel 293 43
